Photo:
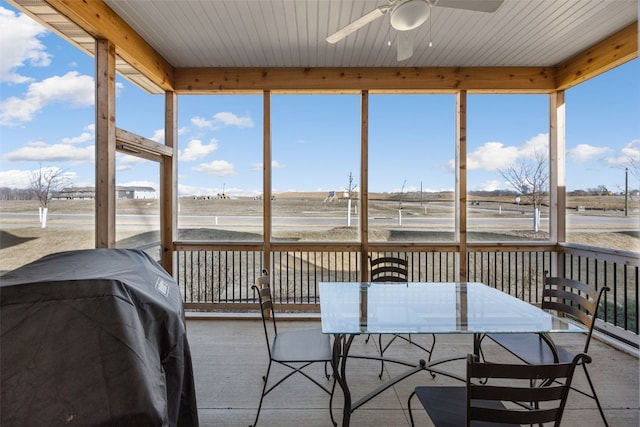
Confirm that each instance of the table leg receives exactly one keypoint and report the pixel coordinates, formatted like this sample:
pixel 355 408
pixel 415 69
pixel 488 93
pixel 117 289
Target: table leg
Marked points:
pixel 341 346
pixel 477 340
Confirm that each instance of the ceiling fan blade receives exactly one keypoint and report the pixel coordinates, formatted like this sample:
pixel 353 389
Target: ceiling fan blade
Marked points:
pixel 488 6
pixel 405 44
pixel 357 24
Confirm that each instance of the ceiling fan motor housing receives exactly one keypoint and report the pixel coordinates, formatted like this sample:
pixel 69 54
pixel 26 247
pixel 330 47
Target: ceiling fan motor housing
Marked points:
pixel 409 14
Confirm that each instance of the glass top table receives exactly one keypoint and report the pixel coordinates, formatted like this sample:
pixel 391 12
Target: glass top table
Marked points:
pixel 416 308
pixel 348 309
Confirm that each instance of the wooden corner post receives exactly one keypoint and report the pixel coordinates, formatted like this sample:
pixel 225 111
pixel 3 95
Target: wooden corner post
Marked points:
pixel 105 226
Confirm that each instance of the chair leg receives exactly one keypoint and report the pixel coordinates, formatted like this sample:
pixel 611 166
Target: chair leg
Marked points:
pixel 265 379
pixel 594 395
pixel 381 356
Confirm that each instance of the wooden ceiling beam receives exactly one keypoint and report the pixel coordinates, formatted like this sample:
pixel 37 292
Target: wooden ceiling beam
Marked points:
pixel 99 20
pixel 332 80
pixel 600 58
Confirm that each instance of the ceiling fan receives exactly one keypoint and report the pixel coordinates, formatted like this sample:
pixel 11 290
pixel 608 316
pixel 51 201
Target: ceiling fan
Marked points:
pixel 407 15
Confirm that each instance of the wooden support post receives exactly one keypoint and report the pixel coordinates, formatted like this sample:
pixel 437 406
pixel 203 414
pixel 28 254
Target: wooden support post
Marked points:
pixel 557 176
pixel 169 183
pixel 461 182
pixel 105 226
pixel 364 186
pixel 266 180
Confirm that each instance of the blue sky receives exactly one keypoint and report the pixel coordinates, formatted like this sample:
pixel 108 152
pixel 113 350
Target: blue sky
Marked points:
pixel 47 120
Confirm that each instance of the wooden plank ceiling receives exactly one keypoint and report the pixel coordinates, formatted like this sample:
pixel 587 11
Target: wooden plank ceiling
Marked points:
pixel 251 45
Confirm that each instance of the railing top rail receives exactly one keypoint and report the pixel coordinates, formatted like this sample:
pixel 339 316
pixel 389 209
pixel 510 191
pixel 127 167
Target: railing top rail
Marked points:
pixel 629 258
pixel 514 246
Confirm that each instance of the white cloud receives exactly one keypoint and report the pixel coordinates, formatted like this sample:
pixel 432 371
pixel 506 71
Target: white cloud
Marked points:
pixel 221 120
pixel 216 168
pixel 158 136
pixel 123 159
pixel 537 144
pixel 20 178
pixel 87 135
pixel 151 184
pixel 628 153
pixel 72 89
pixel 632 150
pixel 190 190
pixel 83 137
pixel 196 150
pixel 488 186
pixel 274 165
pixel 584 152
pixel 15 178
pixel 20 45
pixel 201 122
pixel 40 152
pixel 492 156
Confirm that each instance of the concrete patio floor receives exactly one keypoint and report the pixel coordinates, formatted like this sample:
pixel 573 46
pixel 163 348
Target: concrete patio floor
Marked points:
pixel 230 357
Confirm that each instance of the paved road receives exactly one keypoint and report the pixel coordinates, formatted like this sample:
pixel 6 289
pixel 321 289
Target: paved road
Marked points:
pixel 249 223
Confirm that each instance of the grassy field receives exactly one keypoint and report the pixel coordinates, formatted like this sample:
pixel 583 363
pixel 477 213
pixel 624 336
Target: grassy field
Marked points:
pixel 20 245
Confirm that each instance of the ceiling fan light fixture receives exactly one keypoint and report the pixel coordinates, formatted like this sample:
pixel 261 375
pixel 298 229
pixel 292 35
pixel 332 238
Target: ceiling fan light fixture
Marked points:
pixel 409 14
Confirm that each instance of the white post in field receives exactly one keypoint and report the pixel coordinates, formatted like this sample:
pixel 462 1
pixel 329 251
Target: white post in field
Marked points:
pixel 400 216
pixel 43 219
pixel 348 212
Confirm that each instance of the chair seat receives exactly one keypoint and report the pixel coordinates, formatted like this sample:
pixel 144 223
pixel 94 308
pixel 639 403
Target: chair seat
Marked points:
pixel 447 406
pixel 301 346
pixel 531 348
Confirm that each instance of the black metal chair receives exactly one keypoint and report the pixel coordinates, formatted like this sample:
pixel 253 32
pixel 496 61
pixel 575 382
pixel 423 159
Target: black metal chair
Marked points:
pixel 569 298
pixel 295 350
pixel 511 399
pixel 393 269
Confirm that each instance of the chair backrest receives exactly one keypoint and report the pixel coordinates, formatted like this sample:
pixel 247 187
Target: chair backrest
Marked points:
pixel 263 288
pixel 389 269
pixel 573 299
pixel 524 401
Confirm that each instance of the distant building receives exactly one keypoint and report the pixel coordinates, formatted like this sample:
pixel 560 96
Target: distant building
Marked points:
pixel 135 193
pixel 122 192
pixel 76 193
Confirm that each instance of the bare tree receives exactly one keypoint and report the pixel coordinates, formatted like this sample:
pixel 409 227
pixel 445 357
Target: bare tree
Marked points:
pixel 351 186
pixel 634 167
pixel 530 177
pixel 45 182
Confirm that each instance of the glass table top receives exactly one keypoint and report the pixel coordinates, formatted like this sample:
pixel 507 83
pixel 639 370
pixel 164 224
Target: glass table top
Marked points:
pixel 413 308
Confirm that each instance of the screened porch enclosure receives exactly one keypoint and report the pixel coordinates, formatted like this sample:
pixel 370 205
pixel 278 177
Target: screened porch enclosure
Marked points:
pixel 216 274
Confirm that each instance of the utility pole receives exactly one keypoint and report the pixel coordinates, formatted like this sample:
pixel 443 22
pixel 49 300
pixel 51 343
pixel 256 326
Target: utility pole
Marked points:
pixel 626 191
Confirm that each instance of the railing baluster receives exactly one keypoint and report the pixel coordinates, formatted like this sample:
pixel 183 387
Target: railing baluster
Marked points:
pixel 615 294
pixel 225 276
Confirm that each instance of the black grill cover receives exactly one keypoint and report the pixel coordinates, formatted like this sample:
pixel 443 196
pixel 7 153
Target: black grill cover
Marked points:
pixel 94 337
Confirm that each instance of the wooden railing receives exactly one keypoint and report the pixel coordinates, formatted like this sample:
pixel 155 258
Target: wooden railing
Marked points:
pixel 215 277
pixel 619 271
